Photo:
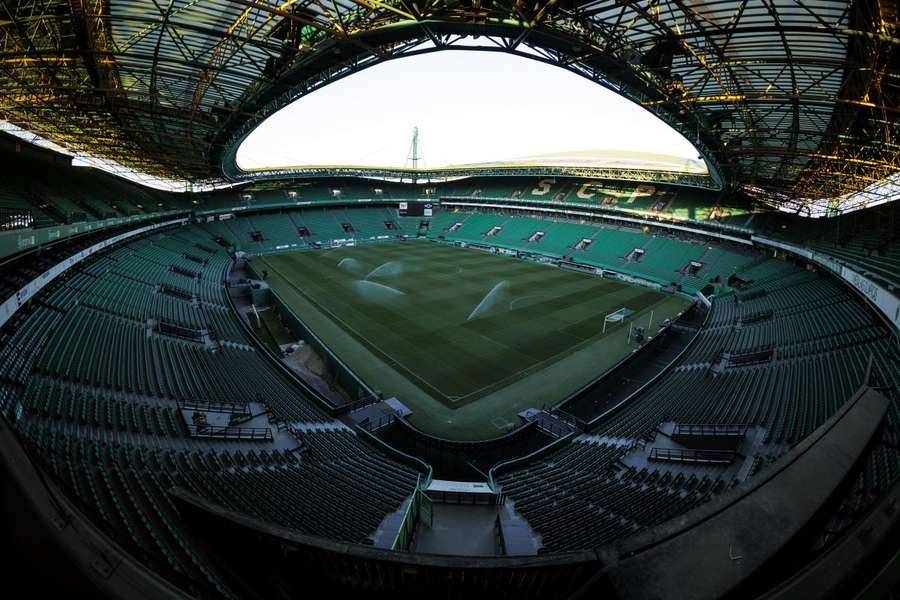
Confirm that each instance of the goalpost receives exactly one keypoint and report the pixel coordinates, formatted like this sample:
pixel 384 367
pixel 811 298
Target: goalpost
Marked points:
pixel 616 316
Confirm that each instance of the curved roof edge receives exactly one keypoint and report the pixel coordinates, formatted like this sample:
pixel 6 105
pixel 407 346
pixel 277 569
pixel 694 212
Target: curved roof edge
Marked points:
pixel 704 182
pixel 627 80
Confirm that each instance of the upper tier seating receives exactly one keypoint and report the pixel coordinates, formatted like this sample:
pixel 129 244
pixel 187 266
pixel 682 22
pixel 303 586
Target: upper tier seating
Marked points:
pixel 55 192
pixel 872 254
pixel 868 241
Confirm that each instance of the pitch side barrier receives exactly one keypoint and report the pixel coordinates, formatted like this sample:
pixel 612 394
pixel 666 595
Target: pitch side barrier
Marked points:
pixel 343 374
pixel 335 243
pixel 613 274
pixel 26 292
pixel 346 377
pixel 880 298
pixel 464 445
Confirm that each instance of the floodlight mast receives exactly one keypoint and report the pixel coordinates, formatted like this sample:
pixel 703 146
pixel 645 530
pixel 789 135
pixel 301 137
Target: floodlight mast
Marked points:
pixel 412 157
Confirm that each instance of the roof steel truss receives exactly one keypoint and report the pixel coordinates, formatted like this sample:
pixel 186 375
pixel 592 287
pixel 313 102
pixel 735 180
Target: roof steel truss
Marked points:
pixel 791 99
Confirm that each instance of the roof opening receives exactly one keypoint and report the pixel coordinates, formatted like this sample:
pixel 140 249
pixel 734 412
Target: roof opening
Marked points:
pixel 466 108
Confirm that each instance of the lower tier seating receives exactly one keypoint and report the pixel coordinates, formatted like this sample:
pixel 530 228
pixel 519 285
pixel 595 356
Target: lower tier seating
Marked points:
pixel 97 393
pixel 823 339
pixel 659 258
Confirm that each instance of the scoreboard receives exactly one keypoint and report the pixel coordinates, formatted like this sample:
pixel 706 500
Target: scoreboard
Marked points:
pixel 415 209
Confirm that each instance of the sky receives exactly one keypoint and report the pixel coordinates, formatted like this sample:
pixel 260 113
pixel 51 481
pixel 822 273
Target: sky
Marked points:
pixel 470 107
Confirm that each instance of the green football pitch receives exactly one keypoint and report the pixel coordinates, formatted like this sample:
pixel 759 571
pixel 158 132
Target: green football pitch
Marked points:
pixel 466 339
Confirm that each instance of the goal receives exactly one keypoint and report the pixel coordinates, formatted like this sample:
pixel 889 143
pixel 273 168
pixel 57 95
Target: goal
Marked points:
pixel 616 316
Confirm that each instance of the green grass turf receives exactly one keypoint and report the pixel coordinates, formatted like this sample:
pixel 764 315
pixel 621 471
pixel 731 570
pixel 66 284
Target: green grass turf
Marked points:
pixel 406 318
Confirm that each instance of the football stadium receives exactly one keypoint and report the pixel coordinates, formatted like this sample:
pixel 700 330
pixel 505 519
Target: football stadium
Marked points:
pixel 455 299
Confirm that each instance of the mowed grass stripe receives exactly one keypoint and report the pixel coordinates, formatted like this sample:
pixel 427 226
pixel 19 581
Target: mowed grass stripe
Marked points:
pixel 459 351
pixel 399 336
pixel 404 354
pixel 540 314
pixel 329 312
pixel 361 320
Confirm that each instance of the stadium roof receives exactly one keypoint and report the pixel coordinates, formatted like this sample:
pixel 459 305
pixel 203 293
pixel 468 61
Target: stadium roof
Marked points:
pixel 788 99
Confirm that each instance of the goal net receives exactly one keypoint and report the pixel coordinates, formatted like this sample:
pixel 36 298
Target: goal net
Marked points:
pixel 616 317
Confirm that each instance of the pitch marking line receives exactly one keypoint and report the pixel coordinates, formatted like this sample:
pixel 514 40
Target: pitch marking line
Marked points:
pixel 453 400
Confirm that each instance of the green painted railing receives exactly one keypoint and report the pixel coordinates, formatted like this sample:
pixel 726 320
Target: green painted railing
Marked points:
pixel 410 519
pixel 521 460
pixel 407 459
